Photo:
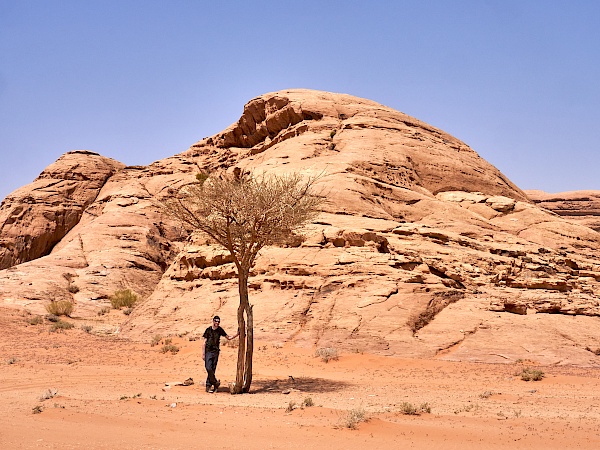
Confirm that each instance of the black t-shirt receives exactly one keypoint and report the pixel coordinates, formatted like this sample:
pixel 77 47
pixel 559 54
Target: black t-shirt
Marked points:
pixel 213 338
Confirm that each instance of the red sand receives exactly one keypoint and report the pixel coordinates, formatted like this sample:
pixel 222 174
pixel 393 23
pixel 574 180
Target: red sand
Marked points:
pixel 111 394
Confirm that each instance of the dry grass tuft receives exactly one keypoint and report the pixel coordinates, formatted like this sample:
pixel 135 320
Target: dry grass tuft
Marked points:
pixel 60 308
pixel 327 354
pixel 352 418
pixel 123 298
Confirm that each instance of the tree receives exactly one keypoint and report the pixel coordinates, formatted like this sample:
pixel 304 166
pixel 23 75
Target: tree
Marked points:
pixel 244 213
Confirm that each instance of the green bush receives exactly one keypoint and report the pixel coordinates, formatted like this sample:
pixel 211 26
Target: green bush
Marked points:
pixel 123 298
pixel 60 308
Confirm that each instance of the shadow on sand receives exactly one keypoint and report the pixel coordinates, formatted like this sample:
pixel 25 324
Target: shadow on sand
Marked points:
pixel 302 384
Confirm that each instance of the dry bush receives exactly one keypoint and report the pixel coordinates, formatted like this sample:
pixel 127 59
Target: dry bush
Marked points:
pixel 35 320
pixel 60 308
pixel 50 393
pixel 86 328
pixel 290 407
pixel 169 348
pixel 123 298
pixel 155 340
pixel 308 402
pixel 73 288
pixel 327 354
pixel 61 325
pixel 412 410
pixel 103 310
pixel 352 418
pixel 530 374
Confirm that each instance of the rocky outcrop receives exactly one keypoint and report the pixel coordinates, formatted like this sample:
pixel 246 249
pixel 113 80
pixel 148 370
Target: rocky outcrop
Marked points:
pixel 579 206
pixel 34 218
pixel 422 248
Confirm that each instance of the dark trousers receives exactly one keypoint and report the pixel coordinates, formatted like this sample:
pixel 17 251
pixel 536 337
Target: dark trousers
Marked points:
pixel 210 363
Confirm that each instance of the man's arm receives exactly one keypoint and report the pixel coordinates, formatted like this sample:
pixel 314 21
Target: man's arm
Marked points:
pixel 232 337
pixel 204 350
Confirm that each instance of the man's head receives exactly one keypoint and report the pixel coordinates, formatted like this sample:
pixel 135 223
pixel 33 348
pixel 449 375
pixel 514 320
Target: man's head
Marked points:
pixel 216 321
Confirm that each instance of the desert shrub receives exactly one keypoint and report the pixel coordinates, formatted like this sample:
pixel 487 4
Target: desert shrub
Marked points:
pixel 60 308
pixel 50 393
pixel 123 298
pixel 127 311
pixel 308 402
pixel 37 409
pixel 290 407
pixel 61 325
pixel 103 310
pixel 52 318
pixel 86 328
pixel 169 348
pixel 11 361
pixel 412 410
pixel 353 417
pixel 73 288
pixel 486 394
pixel 327 354
pixel 530 374
pixel 155 340
pixel 35 320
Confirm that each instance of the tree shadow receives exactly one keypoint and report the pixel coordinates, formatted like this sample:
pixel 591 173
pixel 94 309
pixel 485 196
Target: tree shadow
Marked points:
pixel 302 384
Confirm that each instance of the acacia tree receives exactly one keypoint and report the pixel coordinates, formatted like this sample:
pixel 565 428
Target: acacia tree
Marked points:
pixel 244 213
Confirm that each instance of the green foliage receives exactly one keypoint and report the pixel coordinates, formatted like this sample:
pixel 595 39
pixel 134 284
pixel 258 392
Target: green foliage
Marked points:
pixel 60 308
pixel 123 298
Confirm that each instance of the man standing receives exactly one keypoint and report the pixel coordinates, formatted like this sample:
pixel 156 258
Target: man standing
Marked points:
pixel 210 352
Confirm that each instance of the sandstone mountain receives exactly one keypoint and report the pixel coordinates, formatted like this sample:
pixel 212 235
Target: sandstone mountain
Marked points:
pixel 422 248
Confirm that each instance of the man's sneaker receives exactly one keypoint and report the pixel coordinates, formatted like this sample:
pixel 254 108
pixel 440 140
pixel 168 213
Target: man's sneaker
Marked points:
pixel 212 389
pixel 217 385
pixel 207 388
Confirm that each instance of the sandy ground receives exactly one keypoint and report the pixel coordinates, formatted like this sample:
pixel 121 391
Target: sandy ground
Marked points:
pixel 106 393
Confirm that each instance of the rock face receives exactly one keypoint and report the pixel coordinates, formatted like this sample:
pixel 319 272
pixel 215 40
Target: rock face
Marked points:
pixel 36 217
pixel 422 248
pixel 578 206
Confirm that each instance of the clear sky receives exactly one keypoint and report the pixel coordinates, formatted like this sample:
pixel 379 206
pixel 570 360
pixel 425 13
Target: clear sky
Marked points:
pixel 140 80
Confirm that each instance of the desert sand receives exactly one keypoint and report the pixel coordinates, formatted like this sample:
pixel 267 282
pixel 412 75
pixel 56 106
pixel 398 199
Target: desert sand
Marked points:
pixel 74 389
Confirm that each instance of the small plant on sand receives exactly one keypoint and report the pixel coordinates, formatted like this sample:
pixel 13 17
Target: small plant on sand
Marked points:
pixel 123 298
pixel 61 325
pixel 11 361
pixel 37 409
pixel 486 394
pixel 155 340
pixel 352 418
pixel 73 288
pixel 169 348
pixel 35 320
pixel 327 354
pixel 530 374
pixel 86 328
pixel 103 310
pixel 290 407
pixel 412 410
pixel 50 393
pixel 60 308
pixel 308 402
pixel 127 311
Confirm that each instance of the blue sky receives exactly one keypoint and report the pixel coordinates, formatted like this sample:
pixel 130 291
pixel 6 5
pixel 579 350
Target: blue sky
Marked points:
pixel 138 81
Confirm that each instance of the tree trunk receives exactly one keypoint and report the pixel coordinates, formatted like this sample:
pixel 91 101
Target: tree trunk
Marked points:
pixel 243 307
pixel 249 349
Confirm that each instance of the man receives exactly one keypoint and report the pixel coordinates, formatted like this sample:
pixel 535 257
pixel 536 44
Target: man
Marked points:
pixel 210 352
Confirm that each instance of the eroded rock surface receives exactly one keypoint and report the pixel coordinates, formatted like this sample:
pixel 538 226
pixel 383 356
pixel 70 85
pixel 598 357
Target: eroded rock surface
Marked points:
pixel 579 206
pixel 422 248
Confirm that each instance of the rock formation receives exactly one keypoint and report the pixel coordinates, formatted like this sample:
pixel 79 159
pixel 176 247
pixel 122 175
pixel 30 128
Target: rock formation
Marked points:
pixel 578 206
pixel 422 248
